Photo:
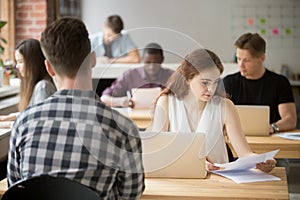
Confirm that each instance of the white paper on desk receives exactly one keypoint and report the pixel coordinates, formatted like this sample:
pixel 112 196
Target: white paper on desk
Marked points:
pixel 144 97
pixel 289 135
pixel 247 176
pixel 247 162
pixel 242 170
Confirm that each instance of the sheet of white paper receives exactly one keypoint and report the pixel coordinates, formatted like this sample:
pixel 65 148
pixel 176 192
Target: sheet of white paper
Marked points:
pixel 247 176
pixel 248 162
pixel 144 97
pixel 242 170
pixel 289 135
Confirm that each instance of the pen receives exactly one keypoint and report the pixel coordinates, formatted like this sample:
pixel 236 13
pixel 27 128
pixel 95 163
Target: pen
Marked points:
pixel 129 98
pixel 128 94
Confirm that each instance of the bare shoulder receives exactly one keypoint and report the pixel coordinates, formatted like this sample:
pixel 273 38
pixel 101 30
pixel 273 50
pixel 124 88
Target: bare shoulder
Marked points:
pixel 229 103
pixel 162 100
pixel 229 108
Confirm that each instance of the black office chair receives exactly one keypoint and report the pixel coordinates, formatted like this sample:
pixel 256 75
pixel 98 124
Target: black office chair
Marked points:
pixel 50 188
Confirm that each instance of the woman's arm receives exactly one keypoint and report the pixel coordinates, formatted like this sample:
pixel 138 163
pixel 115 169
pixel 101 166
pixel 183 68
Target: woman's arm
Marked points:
pixel 234 130
pixel 9 117
pixel 237 138
pixel 161 115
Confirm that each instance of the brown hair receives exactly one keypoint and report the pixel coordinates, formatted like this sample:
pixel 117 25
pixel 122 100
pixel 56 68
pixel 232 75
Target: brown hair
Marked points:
pixel 252 42
pixel 34 70
pixel 115 23
pixel 191 66
pixel 66 45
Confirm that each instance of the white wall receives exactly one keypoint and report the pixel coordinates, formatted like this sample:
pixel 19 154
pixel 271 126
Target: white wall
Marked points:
pixel 183 25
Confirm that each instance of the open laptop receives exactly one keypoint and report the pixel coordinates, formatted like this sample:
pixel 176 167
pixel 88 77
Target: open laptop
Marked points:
pixel 174 155
pixel 254 119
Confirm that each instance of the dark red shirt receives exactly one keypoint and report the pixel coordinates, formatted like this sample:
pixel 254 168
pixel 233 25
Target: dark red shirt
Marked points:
pixel 136 78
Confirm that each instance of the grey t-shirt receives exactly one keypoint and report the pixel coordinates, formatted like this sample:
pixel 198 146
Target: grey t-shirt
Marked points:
pixel 121 46
pixel 42 90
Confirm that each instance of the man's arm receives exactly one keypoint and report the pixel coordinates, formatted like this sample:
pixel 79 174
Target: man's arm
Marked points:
pixel 13 167
pixel 288 121
pixel 115 101
pixel 130 178
pixel 132 57
pixel 131 185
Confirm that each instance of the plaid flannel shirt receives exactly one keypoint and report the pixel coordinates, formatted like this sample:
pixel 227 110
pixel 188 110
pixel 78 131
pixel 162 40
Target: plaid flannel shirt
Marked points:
pixel 73 135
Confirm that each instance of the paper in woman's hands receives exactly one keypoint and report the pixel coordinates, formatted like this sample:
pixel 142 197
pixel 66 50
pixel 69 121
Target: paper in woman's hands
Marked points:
pixel 247 162
pixel 242 170
pixel 144 97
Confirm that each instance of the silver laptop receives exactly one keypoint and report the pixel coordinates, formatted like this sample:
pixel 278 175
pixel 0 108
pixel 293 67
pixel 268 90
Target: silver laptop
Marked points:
pixel 254 119
pixel 174 155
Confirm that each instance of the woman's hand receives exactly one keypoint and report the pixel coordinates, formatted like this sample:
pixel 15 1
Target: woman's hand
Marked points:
pixel 6 124
pixel 210 166
pixel 7 117
pixel 266 166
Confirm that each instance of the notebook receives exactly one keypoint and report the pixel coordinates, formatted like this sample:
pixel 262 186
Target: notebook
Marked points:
pixel 144 98
pixel 174 155
pixel 254 119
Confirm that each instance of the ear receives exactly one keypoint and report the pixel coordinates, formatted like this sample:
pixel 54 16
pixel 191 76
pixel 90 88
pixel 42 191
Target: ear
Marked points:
pixel 49 68
pixel 93 59
pixel 263 57
pixel 162 59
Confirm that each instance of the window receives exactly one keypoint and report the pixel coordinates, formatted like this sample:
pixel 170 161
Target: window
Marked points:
pixel 7 14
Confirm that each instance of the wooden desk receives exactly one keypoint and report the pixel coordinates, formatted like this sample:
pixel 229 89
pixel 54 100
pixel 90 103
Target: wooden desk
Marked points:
pixel 216 187
pixel 213 187
pixel 142 118
pixel 3 187
pixel 288 148
pixel 260 144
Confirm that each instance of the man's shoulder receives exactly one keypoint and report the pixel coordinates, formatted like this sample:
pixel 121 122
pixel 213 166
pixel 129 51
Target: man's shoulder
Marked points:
pixel 134 71
pixel 167 70
pixel 125 34
pixel 234 76
pixel 96 35
pixel 275 76
pixel 120 122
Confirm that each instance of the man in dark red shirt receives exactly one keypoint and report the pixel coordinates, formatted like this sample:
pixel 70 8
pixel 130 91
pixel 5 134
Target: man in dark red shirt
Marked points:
pixel 150 75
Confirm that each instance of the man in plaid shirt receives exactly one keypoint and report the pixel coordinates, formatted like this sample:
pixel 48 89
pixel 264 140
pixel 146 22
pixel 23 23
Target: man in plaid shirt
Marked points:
pixel 72 134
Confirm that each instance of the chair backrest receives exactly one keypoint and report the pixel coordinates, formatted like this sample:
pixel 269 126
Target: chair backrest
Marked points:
pixel 49 188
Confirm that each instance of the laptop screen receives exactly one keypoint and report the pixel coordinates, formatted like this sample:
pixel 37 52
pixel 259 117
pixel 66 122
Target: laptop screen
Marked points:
pixel 254 119
pixel 173 155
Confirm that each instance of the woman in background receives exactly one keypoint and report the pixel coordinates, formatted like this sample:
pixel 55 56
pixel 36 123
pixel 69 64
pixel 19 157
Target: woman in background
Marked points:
pixel 194 101
pixel 36 84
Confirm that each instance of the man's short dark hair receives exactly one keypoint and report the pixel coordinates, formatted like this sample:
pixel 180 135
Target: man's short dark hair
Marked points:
pixel 115 22
pixel 66 45
pixel 252 42
pixel 153 48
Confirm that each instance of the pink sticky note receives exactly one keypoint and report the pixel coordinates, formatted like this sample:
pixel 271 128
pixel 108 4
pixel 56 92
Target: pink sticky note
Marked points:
pixel 250 21
pixel 275 31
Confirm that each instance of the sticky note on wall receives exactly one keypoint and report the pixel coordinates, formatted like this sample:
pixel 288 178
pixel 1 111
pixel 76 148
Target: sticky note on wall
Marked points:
pixel 275 31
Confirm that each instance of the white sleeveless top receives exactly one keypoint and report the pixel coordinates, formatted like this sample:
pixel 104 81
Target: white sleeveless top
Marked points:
pixel 210 123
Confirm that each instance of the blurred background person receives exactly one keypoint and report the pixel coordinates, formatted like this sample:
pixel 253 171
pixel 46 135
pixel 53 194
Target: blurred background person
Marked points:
pixel 36 84
pixel 113 45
